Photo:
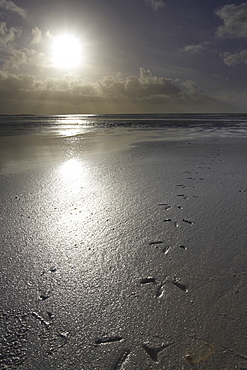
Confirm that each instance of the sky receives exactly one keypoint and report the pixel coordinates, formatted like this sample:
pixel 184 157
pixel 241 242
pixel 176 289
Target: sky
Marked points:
pixel 123 56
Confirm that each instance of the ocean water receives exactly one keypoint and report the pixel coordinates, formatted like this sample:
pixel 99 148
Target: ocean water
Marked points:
pixel 174 125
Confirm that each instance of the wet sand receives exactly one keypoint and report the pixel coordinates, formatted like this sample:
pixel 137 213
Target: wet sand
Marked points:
pixel 122 250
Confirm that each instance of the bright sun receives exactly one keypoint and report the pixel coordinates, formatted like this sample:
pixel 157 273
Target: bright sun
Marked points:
pixel 66 51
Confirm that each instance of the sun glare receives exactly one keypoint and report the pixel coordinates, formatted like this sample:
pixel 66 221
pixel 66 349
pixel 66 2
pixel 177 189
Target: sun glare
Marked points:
pixel 66 51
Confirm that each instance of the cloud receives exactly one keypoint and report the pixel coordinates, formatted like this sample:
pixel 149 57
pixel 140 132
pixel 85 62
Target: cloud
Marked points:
pixel 24 57
pixel 15 60
pixel 235 26
pixel 39 36
pixel 9 55
pixel 8 35
pixel 155 4
pixel 143 86
pixel 193 48
pixel 192 90
pixel 11 82
pixel 110 94
pixel 219 77
pixel 234 21
pixel 236 58
pixel 13 57
pixel 12 7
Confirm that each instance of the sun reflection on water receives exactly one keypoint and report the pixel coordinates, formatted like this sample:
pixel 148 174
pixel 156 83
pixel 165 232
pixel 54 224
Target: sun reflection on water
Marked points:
pixel 70 132
pixel 73 175
pixel 71 169
pixel 73 191
pixel 73 125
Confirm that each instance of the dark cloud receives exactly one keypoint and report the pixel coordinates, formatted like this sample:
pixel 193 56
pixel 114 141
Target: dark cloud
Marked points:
pixel 139 87
pixel 12 83
pixel 234 19
pixel 142 90
pixel 8 35
pixel 218 76
pixel 12 7
pixel 10 57
pixel 192 89
pixel 155 4
pixel 14 59
pixel 235 58
pixel 193 48
pixel 235 26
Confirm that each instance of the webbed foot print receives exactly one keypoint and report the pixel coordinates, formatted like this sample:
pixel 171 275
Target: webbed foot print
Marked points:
pixel 180 285
pixel 243 191
pixel 167 220
pixel 43 294
pixel 46 283
pixel 183 247
pixel 152 280
pixel 148 280
pixel 156 242
pixel 154 351
pixel 167 208
pixel 160 291
pixel 188 221
pixel 182 196
pixel 40 318
pixel 122 359
pixel 166 249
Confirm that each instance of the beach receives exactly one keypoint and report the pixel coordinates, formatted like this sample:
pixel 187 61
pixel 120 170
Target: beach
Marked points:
pixel 123 249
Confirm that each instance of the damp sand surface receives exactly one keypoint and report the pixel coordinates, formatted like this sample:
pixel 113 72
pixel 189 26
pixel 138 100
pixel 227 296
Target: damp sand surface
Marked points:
pixel 121 251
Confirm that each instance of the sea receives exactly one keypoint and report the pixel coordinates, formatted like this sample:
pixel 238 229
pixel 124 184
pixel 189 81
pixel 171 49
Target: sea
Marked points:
pixel 175 125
